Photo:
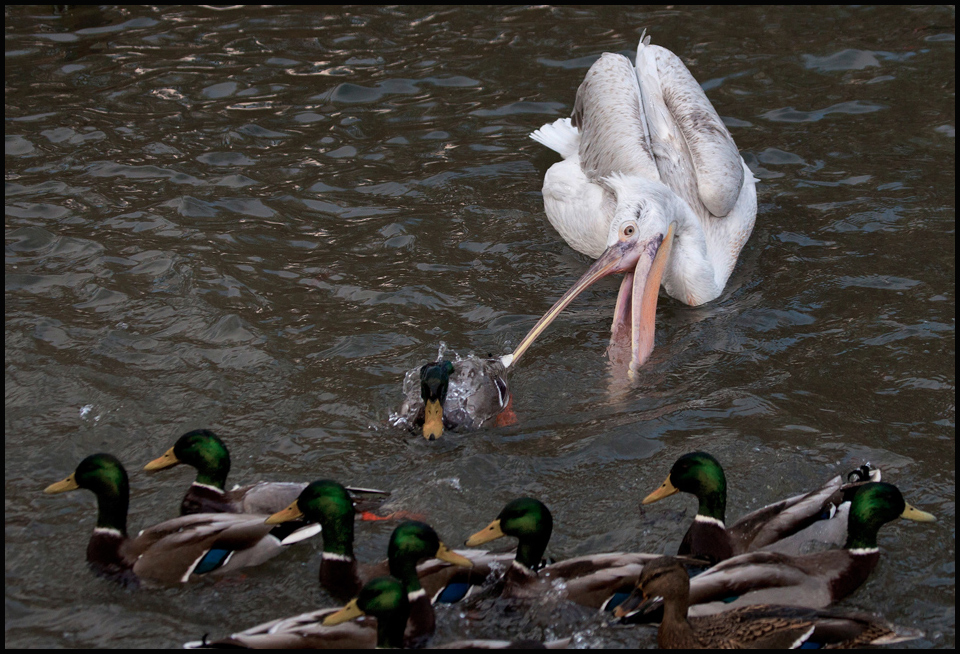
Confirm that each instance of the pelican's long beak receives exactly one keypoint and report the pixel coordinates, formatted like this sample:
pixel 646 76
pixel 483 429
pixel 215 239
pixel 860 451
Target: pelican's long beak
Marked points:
pixel 643 305
pixel 644 260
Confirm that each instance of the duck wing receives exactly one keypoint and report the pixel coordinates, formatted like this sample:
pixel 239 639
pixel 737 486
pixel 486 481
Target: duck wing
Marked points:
pixel 271 496
pixel 794 627
pixel 184 548
pixel 266 497
pixel 304 631
pixel 446 583
pixel 793 525
pixel 586 565
pixel 770 578
pixel 784 518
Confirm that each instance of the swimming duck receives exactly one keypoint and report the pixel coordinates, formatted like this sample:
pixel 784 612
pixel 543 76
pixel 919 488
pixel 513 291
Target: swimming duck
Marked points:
pixel 784 526
pixel 327 503
pixel 597 581
pixel 204 450
pixel 466 394
pixel 175 551
pixel 381 599
pixel 350 627
pixel 760 626
pixel 811 580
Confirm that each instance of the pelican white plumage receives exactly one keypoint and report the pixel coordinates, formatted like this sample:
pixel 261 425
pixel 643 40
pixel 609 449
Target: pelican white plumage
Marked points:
pixel 647 165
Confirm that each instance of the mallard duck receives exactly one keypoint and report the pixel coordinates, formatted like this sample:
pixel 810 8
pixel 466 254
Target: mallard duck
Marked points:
pixel 175 551
pixel 784 526
pixel 811 580
pixel 597 581
pixel 761 626
pixel 204 450
pixel 466 394
pixel 327 503
pixel 350 627
pixel 380 598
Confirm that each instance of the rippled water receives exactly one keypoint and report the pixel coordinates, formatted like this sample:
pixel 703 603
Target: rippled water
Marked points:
pixel 256 220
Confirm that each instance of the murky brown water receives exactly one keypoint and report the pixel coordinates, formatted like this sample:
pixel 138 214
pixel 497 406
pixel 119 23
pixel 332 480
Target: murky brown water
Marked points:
pixel 256 220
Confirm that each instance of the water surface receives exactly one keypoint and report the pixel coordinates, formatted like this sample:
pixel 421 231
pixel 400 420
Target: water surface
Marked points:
pixel 256 220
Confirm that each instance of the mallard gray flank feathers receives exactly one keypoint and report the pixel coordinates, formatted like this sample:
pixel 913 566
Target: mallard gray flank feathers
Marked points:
pixel 207 453
pixel 787 526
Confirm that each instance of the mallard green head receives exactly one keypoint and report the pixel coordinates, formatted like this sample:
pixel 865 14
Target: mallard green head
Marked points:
pixel 527 519
pixel 697 473
pixel 383 598
pixel 434 381
pixel 412 542
pixel 325 500
pixel 201 449
pixel 104 475
pixel 874 505
pixel 328 503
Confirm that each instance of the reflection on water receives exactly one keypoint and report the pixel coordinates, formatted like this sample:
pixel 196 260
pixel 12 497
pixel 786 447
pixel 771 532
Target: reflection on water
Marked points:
pixel 256 221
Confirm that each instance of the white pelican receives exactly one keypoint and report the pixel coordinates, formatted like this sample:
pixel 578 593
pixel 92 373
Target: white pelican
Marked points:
pixel 647 163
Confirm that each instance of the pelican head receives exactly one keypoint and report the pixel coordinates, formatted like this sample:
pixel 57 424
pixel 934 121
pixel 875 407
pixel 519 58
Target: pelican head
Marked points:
pixel 645 205
pixel 638 244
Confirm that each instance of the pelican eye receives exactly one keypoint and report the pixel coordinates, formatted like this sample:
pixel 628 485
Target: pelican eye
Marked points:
pixel 628 231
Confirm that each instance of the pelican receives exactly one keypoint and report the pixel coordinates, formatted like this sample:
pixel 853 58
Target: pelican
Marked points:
pixel 651 185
